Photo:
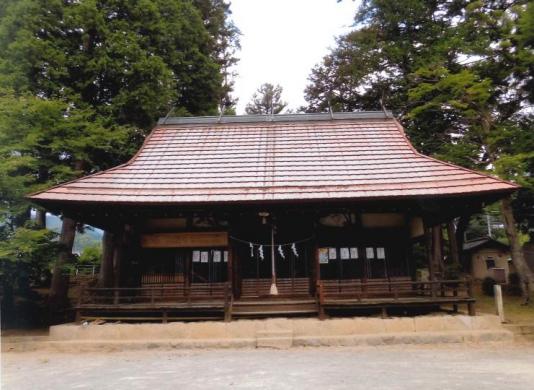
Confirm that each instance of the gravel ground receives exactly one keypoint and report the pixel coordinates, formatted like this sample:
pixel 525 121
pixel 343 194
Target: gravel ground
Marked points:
pixel 509 366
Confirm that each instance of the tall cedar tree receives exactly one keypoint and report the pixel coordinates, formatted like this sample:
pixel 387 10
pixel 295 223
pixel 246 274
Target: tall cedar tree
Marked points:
pixel 266 100
pixel 459 75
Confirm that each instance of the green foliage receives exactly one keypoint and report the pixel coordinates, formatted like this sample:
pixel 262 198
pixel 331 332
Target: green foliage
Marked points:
pixel 82 82
pixel 266 100
pixel 126 60
pixel 43 141
pixel 25 256
pixel 459 75
pixel 91 255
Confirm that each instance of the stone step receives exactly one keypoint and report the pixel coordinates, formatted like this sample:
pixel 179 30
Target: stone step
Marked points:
pixel 274 338
pixel 273 333
pixel 282 342
pixel 20 339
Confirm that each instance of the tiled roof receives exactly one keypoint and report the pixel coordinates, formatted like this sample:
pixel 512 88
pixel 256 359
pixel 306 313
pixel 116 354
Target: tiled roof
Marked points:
pixel 483 241
pixel 353 156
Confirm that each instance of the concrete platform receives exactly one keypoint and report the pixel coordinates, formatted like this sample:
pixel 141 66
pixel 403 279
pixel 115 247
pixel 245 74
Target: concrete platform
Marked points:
pixel 270 333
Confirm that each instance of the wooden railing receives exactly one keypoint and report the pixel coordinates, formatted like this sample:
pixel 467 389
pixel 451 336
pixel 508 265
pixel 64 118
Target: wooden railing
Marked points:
pixel 251 288
pixel 162 278
pixel 154 294
pixel 395 289
pixel 361 292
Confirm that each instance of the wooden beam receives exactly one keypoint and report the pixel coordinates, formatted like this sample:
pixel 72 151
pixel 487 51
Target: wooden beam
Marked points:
pixel 429 257
pixel 437 250
pixel 184 240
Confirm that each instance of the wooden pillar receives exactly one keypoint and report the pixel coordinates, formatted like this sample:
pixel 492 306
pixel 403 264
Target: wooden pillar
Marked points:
pixel 317 265
pixel 453 245
pixel 428 250
pixel 430 259
pixel 118 254
pixel 188 266
pixel 59 285
pixel 105 276
pixel 230 268
pixel 437 249
pixel 471 304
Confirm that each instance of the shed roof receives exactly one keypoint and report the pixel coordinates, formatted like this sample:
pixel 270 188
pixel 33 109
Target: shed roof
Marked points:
pixel 484 242
pixel 275 158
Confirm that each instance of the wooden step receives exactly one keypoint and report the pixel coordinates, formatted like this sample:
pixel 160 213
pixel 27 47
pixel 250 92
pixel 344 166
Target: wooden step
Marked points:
pixel 274 307
pixel 270 302
pixel 285 313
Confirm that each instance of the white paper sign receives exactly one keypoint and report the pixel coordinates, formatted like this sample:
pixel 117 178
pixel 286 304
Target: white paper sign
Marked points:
pixel 196 256
pixel 332 253
pixel 323 255
pixel 204 256
pixel 225 257
pixel 380 253
pixel 353 253
pixel 216 256
pixel 344 253
pixel 370 253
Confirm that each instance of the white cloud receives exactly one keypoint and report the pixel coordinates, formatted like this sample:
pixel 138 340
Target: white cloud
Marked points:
pixel 283 39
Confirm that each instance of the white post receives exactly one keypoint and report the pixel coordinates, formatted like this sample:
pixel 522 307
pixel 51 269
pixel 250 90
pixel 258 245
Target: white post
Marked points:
pixel 497 292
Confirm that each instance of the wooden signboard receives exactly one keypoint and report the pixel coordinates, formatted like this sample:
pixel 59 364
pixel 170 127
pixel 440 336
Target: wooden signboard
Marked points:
pixel 185 240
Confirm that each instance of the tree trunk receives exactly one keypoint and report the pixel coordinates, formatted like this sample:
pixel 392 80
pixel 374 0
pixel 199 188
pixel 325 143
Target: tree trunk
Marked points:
pixel 453 245
pixel 461 227
pixel 518 259
pixel 40 218
pixel 58 287
pixel 105 277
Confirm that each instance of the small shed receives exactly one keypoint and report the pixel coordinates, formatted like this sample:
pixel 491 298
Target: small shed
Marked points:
pixel 489 258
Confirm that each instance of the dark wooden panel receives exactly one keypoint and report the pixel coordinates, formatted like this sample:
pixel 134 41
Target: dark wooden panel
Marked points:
pixel 185 240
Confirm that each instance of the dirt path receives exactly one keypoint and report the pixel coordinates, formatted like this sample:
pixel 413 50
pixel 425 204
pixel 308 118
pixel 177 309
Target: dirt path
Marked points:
pixel 478 367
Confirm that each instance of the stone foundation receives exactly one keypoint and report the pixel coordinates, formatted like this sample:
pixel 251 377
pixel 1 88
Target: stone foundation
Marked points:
pixel 273 333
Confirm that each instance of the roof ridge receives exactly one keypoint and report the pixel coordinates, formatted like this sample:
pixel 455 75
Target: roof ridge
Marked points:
pixel 275 118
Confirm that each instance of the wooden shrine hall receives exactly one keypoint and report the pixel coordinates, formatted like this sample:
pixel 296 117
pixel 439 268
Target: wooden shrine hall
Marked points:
pixel 251 216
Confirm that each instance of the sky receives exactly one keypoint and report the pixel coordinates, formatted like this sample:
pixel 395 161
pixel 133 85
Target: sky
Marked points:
pixel 282 40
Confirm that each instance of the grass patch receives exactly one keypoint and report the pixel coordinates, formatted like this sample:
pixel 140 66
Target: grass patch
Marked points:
pixel 514 312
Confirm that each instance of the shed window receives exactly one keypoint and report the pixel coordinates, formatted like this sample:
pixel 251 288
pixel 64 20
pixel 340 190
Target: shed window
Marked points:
pixel 490 263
